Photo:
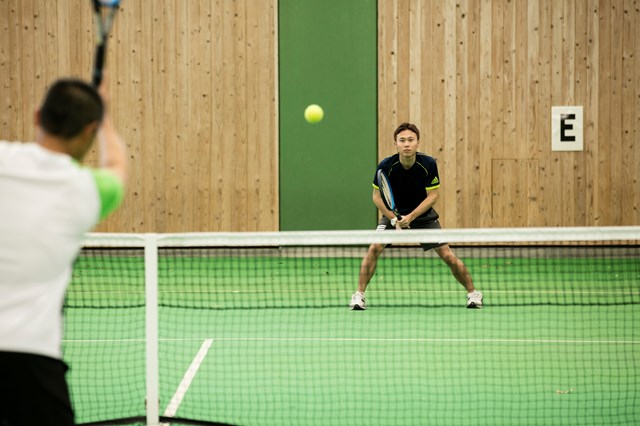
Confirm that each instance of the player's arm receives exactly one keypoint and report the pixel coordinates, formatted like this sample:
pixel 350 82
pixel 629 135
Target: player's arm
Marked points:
pixel 111 176
pixel 111 147
pixel 377 200
pixel 426 204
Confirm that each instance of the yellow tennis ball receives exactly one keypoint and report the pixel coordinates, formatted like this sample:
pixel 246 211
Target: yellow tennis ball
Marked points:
pixel 313 113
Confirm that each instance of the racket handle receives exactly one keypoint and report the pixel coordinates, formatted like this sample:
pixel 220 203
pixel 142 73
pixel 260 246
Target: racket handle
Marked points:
pixel 99 64
pixel 395 221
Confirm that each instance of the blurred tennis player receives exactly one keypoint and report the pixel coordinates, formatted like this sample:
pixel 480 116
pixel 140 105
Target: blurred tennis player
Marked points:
pixel 49 201
pixel 413 180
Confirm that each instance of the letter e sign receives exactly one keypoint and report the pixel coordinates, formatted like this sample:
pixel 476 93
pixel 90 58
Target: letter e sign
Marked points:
pixel 567 128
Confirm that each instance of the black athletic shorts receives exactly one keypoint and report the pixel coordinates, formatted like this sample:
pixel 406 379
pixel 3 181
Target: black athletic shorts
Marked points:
pixel 420 223
pixel 33 391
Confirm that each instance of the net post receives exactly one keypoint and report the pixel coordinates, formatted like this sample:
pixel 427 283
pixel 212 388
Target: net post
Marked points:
pixel 151 319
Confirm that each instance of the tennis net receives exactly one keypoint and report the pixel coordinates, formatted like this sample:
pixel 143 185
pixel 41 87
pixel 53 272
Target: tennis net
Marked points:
pixel 255 329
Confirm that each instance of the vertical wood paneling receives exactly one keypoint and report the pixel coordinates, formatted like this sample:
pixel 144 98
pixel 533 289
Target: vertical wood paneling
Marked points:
pixel 168 102
pixel 635 154
pixel 27 35
pixel 540 140
pixel 507 90
pixel 448 167
pixel 152 93
pixel 581 94
pixel 39 48
pixel 605 105
pixel 472 121
pixel 521 78
pixel 616 67
pixel 532 108
pixel 183 183
pixel 485 104
pixel 460 142
pixel 217 211
pixel 627 169
pixel 16 101
pixel 252 136
pixel 511 187
pixel 387 75
pixel 504 65
pixel 270 134
pixel 416 35
pixel 497 105
pixel 229 129
pixel 551 178
pixel 125 71
pixel 591 135
pixel 240 106
pixel 433 124
pixel 193 88
pixel 425 95
pixel 5 83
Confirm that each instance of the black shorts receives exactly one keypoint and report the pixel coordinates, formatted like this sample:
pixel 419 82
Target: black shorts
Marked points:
pixel 420 223
pixel 33 391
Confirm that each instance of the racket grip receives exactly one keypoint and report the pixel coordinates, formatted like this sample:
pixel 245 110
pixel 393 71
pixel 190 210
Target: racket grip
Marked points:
pixel 96 79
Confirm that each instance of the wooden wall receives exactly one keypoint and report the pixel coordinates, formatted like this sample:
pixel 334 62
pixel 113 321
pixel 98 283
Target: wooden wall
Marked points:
pixel 479 77
pixel 195 94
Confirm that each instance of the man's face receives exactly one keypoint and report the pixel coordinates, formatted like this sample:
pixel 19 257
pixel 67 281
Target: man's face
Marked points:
pixel 407 143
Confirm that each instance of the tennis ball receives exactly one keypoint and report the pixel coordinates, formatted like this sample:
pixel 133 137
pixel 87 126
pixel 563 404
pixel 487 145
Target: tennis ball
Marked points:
pixel 313 113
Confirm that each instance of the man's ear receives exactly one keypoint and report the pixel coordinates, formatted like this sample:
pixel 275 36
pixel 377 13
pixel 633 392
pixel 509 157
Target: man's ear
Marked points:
pixel 36 117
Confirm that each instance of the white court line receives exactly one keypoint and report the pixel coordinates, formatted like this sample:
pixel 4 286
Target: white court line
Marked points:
pixel 373 339
pixel 175 402
pixel 333 291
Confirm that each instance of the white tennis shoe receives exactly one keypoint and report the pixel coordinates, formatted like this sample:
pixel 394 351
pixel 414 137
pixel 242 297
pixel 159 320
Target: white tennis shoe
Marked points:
pixel 357 302
pixel 474 300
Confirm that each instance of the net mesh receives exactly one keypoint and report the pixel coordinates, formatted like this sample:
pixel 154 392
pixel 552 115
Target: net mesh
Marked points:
pixel 256 329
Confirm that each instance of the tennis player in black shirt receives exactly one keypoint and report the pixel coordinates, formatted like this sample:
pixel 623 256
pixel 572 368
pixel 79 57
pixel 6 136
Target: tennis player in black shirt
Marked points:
pixel 414 181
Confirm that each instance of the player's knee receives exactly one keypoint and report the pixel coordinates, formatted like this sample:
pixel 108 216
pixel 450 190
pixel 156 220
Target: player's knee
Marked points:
pixel 371 258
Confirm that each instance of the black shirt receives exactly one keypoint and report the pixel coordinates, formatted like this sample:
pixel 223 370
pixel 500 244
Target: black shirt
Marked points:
pixel 410 186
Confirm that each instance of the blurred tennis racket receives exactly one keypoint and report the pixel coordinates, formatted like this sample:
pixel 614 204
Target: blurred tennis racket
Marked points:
pixel 387 194
pixel 104 12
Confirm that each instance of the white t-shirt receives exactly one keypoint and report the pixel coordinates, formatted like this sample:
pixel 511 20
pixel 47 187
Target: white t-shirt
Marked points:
pixel 47 203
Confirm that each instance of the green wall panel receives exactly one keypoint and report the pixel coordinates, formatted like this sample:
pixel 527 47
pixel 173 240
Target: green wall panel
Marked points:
pixel 327 56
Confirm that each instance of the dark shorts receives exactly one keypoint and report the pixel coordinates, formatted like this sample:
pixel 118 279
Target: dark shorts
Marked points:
pixel 420 223
pixel 33 391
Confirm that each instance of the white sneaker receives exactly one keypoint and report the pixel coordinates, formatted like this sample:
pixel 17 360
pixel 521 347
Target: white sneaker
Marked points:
pixel 357 302
pixel 474 300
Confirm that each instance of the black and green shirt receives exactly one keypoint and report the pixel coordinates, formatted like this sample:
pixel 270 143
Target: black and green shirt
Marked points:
pixel 410 186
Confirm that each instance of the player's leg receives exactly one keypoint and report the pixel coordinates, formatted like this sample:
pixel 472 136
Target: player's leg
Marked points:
pixel 367 269
pixel 368 266
pixel 458 268
pixel 461 274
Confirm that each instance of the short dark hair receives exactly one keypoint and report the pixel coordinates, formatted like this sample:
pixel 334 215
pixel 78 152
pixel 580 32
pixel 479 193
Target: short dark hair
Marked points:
pixel 69 105
pixel 406 126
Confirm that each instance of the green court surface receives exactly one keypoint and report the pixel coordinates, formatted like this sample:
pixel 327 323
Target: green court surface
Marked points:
pixel 271 341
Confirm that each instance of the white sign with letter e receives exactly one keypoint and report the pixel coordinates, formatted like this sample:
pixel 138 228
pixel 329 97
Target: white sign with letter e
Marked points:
pixel 567 128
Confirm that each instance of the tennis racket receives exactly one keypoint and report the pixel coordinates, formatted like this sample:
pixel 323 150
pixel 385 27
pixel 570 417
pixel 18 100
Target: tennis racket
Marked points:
pixel 104 12
pixel 387 194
